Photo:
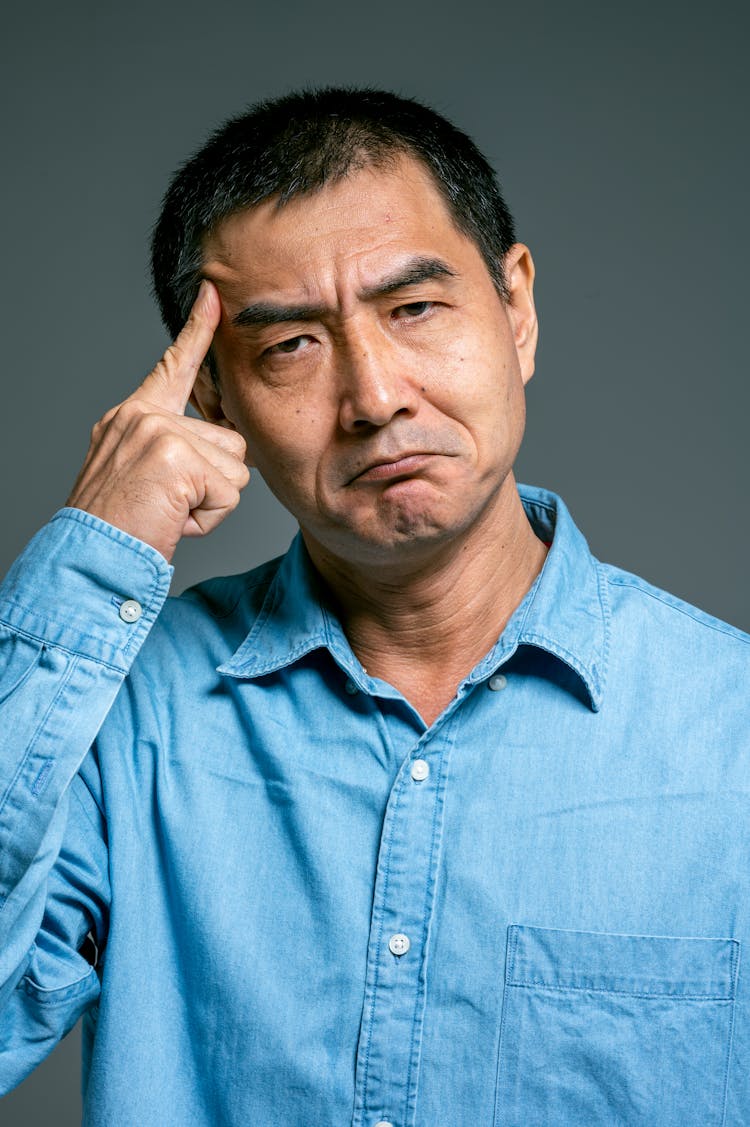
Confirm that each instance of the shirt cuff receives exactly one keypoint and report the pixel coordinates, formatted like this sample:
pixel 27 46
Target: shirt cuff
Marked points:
pixel 87 587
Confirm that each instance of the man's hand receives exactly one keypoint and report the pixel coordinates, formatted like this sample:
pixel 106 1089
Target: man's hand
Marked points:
pixel 150 470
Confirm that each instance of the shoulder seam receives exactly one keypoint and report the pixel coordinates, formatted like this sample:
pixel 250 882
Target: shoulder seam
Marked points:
pixel 701 618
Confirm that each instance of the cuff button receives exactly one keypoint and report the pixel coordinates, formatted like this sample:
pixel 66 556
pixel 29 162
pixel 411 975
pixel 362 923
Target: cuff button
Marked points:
pixel 131 610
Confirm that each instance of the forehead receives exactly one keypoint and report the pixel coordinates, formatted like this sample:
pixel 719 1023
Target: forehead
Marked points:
pixel 350 232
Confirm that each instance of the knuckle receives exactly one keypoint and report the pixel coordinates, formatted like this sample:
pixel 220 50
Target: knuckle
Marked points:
pixel 178 355
pixel 149 426
pixel 128 413
pixel 170 359
pixel 102 425
pixel 168 447
pixel 239 444
pixel 232 500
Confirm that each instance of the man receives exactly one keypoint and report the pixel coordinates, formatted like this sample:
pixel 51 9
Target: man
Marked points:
pixel 436 819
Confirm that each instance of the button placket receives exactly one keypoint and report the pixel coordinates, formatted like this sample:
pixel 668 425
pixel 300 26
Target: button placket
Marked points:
pixel 391 1032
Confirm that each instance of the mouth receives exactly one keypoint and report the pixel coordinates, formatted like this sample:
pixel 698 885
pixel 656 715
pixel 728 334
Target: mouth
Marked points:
pixel 393 468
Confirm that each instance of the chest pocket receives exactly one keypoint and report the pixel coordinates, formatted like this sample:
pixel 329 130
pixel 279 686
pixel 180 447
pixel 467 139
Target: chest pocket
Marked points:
pixel 627 1030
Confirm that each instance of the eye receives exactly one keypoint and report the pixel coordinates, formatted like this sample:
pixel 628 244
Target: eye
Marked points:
pixel 413 309
pixel 286 347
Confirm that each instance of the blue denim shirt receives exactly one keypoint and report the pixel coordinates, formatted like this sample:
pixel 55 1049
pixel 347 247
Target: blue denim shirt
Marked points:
pixel 313 910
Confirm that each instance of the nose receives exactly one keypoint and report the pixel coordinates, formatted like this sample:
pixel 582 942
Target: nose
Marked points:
pixel 374 385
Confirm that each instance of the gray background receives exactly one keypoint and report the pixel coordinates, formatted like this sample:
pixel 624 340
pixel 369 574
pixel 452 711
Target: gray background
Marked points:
pixel 620 135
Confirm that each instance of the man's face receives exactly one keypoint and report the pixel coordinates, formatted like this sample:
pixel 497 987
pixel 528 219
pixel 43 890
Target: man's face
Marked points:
pixel 367 358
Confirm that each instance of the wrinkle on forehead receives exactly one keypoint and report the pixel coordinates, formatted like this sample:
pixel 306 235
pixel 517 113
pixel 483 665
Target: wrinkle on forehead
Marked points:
pixel 324 248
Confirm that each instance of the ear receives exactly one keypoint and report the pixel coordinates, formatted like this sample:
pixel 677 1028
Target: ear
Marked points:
pixel 519 277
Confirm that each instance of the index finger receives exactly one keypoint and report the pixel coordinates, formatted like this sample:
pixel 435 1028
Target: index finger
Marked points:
pixel 170 383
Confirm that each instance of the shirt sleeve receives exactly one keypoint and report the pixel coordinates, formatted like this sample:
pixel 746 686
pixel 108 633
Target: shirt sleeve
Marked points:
pixel 75 609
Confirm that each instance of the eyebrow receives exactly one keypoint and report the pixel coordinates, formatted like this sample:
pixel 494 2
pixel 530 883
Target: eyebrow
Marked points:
pixel 417 270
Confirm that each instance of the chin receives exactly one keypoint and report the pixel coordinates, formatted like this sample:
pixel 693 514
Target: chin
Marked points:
pixel 411 536
pixel 404 524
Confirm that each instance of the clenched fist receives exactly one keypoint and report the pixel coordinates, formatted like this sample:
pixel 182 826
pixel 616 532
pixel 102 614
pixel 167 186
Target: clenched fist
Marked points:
pixel 150 470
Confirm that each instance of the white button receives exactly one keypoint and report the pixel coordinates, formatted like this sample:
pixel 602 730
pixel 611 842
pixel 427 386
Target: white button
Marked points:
pixel 351 688
pixel 399 944
pixel 420 769
pixel 384 1123
pixel 497 682
pixel 131 610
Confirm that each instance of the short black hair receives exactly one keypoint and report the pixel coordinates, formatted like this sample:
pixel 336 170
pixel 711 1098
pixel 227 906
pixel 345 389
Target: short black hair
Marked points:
pixel 295 144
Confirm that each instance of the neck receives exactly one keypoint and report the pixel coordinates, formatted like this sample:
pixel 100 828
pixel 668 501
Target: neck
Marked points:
pixel 422 625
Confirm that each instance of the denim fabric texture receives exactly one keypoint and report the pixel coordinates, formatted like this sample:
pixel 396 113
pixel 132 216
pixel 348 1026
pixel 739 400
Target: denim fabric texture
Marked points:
pixel 313 911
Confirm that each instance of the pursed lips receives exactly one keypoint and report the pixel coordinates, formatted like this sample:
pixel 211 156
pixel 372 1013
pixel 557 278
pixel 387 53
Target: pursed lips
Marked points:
pixel 393 465
pixel 404 451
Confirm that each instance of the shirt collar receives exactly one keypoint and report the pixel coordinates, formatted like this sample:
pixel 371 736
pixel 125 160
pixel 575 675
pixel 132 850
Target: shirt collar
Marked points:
pixel 565 613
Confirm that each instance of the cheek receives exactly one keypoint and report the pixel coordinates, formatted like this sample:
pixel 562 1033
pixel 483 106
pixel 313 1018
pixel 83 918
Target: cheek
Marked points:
pixel 480 385
pixel 285 438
